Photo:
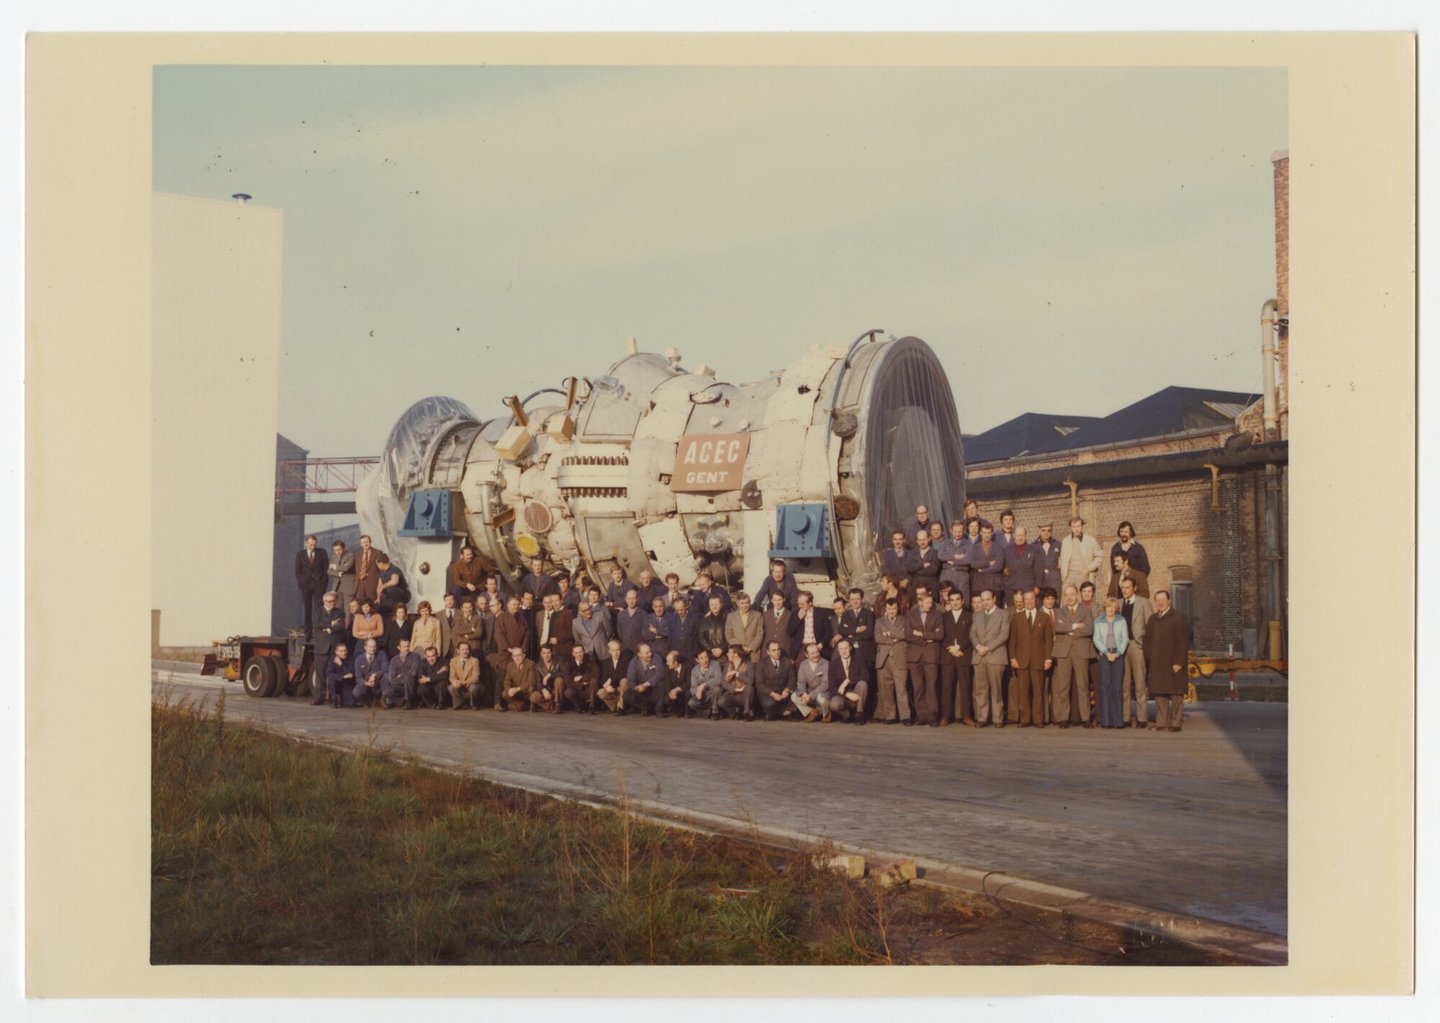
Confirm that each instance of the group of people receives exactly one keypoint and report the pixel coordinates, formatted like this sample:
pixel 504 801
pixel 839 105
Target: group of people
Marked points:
pixel 980 627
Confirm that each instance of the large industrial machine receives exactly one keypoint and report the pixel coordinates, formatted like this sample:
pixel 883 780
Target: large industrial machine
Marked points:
pixel 654 466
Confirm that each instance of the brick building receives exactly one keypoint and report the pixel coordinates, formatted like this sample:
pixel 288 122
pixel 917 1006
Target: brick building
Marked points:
pixel 1191 469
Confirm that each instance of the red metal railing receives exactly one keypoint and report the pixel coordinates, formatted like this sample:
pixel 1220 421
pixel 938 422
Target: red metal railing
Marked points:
pixel 295 477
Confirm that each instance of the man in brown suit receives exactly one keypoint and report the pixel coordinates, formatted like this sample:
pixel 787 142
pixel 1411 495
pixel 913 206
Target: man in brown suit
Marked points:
pixel 466 576
pixel 1122 569
pixel 1031 636
pixel 519 682
pixel 923 632
pixel 1167 653
pixel 511 632
pixel 367 571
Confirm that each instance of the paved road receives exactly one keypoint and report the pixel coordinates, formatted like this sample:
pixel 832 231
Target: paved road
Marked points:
pixel 1193 823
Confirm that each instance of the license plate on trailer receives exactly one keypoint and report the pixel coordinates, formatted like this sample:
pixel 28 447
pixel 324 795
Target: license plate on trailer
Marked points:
pixel 227 651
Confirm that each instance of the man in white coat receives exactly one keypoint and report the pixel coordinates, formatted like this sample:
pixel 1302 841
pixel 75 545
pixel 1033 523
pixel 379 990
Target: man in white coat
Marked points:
pixel 1080 556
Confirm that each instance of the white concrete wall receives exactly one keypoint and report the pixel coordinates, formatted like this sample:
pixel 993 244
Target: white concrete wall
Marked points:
pixel 215 371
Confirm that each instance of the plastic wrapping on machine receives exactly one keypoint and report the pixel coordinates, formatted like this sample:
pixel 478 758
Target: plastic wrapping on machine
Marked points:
pixel 412 435
pixel 380 499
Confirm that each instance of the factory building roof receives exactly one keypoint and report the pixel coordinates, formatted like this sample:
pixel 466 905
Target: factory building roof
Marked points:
pixel 1027 433
pixel 1168 411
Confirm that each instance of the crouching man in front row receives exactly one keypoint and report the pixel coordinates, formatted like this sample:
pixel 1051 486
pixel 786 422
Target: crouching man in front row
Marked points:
pixel 671 702
pixel 643 682
pixel 518 683
pixel 398 688
pixel 432 680
pixel 812 686
pixel 340 678
pixel 464 679
pixel 849 683
pixel 370 669
pixel 707 680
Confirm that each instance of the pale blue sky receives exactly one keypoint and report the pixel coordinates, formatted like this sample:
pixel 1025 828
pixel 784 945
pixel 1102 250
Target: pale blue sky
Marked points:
pixel 1068 240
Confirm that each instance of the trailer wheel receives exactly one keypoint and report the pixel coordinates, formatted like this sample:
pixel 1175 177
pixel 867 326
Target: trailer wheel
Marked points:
pixel 316 686
pixel 282 676
pixel 258 677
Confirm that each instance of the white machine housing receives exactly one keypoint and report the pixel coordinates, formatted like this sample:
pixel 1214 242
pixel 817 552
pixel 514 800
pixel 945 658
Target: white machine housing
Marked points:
pixel 585 482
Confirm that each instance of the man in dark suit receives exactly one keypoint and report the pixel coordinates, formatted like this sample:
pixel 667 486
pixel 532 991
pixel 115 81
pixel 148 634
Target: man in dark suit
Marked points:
pixel 774 681
pixel 613 671
pixel 923 632
pixel 857 625
pixel 1167 656
pixel 849 682
pixel 329 631
pixel 580 680
pixel 955 694
pixel 311 568
pixel 1031 636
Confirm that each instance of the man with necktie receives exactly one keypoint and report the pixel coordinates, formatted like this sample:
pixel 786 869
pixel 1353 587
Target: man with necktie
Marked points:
pixel 311 569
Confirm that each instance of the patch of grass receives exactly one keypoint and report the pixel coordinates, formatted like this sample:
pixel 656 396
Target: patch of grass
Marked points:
pixel 269 851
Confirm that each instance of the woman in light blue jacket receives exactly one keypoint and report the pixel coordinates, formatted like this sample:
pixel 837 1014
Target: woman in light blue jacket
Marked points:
pixel 1111 637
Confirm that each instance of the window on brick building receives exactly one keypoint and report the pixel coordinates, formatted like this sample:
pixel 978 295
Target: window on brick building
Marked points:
pixel 1182 594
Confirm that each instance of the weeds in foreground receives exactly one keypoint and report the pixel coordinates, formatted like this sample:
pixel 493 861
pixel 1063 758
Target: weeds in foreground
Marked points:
pixel 269 851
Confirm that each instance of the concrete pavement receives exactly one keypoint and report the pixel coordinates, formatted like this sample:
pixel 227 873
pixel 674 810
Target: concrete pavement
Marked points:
pixel 1189 826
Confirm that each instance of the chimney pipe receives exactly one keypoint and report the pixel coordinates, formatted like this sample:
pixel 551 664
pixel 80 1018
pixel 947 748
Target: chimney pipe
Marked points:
pixel 1268 355
pixel 241 198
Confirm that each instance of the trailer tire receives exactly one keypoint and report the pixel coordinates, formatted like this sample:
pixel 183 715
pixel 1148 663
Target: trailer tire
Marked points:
pixel 316 686
pixel 282 677
pixel 258 678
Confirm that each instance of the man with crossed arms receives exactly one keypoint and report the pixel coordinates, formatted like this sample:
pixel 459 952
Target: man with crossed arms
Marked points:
pixel 1074 627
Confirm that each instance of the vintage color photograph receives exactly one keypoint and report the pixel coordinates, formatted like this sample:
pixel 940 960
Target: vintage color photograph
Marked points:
pixel 751 515
pixel 720 515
